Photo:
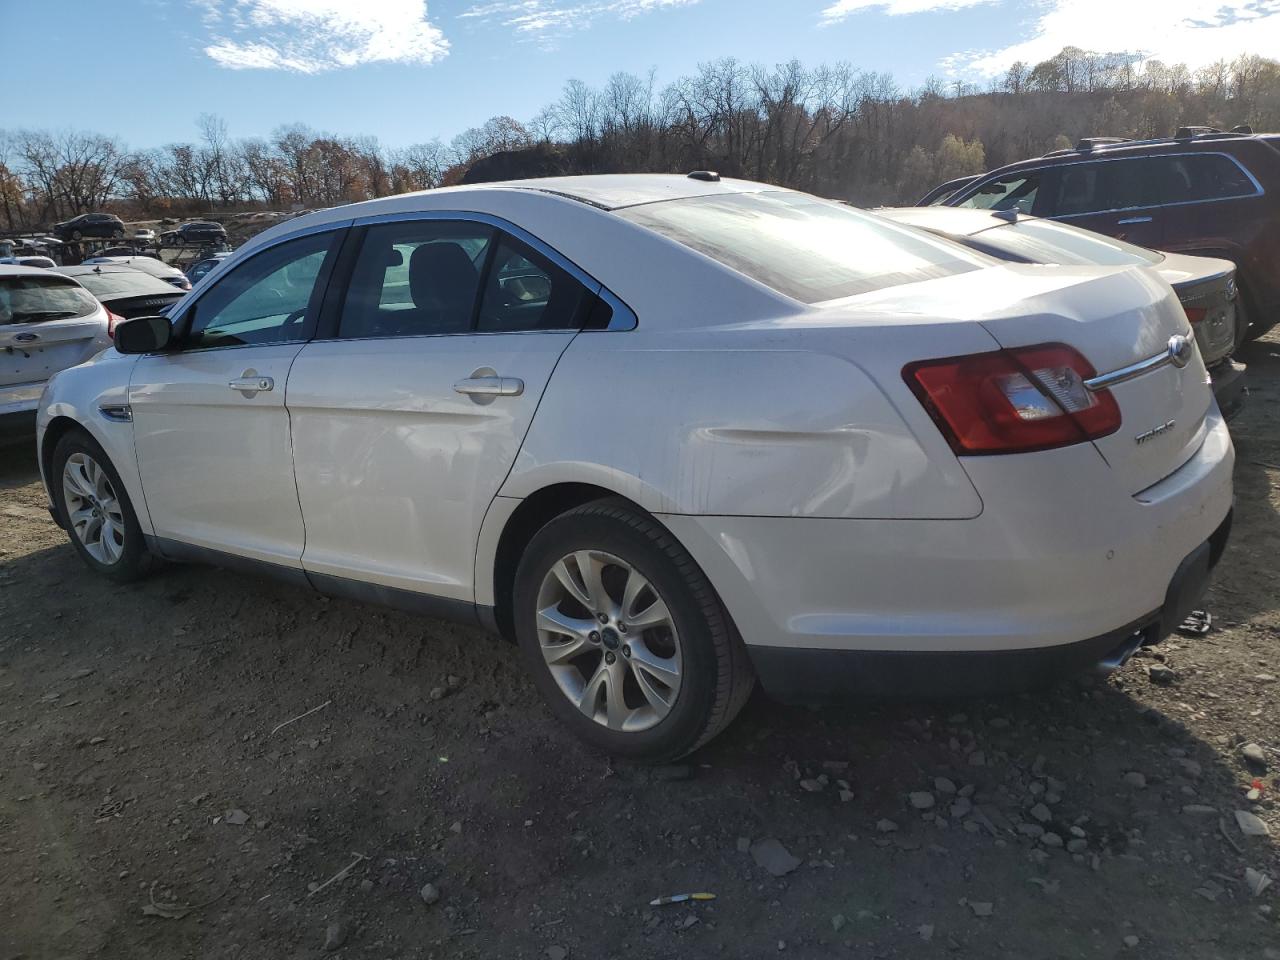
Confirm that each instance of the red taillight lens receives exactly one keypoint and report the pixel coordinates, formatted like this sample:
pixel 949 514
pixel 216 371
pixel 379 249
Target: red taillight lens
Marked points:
pixel 1014 401
pixel 1195 314
pixel 112 320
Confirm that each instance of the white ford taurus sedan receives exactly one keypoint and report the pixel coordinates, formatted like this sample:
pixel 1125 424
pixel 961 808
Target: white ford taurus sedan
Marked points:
pixel 671 435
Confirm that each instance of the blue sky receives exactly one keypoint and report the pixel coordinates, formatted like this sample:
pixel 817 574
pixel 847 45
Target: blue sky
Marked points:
pixel 406 71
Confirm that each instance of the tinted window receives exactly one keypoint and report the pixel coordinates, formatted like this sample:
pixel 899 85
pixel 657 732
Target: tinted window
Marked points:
pixel 267 299
pixel 416 278
pixel 1199 176
pixel 1083 188
pixel 1014 192
pixel 526 291
pixel 803 247
pixel 32 299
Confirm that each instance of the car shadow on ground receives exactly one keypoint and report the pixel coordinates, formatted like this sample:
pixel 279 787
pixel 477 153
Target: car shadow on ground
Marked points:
pixel 429 753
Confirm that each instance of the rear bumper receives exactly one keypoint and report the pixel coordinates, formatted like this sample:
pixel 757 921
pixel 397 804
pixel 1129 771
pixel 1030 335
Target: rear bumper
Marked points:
pixel 1062 567
pixel 812 675
pixel 1229 386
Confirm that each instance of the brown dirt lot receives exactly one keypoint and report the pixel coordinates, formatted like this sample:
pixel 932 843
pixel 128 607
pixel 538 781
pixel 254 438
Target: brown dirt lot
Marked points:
pixel 133 719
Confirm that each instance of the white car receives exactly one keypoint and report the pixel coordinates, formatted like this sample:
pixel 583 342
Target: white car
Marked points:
pixel 669 434
pixel 48 322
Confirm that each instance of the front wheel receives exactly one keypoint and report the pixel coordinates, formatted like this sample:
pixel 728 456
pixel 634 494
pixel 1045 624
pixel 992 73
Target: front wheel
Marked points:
pixel 625 637
pixel 95 509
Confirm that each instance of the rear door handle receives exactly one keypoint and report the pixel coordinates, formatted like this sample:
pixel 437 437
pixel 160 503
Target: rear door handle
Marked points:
pixel 1133 220
pixel 249 385
pixel 490 386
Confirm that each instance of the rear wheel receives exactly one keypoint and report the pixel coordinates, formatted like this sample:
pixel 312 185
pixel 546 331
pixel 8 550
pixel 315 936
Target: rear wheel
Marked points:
pixel 95 509
pixel 624 635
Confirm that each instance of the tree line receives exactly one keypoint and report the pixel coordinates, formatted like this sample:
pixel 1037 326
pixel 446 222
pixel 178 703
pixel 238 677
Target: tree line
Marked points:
pixel 830 129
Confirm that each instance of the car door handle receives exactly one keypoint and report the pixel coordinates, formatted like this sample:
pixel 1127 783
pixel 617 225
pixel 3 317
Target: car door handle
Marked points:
pixel 1133 220
pixel 490 386
pixel 252 384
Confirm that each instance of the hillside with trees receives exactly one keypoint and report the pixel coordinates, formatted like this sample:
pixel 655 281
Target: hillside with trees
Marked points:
pixel 833 130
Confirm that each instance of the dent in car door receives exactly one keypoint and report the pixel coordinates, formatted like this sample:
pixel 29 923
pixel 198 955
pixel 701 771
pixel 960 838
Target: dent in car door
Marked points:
pixel 406 426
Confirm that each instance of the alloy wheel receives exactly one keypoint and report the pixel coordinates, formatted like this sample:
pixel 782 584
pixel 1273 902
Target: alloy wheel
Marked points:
pixel 609 641
pixel 93 509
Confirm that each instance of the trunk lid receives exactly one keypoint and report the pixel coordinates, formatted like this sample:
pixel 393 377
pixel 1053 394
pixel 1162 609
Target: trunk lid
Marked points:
pixel 33 352
pixel 1117 317
pixel 48 322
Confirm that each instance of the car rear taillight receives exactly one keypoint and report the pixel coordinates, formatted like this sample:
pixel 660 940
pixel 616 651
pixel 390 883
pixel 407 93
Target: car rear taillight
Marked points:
pixel 1014 401
pixel 112 320
pixel 1195 314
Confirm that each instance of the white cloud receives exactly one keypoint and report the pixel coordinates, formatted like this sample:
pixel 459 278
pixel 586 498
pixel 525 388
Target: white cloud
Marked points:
pixel 311 36
pixel 1194 32
pixel 847 8
pixel 544 20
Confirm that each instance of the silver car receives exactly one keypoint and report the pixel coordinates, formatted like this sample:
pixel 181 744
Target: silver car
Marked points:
pixel 48 322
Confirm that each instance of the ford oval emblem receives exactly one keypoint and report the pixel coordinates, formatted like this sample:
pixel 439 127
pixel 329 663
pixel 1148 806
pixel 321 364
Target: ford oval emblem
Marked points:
pixel 27 337
pixel 1180 350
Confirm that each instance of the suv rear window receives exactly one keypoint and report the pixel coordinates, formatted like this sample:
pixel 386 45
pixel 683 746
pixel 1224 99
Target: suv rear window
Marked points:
pixel 809 249
pixel 33 299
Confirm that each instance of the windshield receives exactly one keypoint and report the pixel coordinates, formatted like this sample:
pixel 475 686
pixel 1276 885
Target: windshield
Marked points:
pixel 809 249
pixel 32 299
pixel 1044 241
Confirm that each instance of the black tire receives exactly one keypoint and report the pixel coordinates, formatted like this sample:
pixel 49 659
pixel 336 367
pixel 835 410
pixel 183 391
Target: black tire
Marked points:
pixel 134 560
pixel 716 673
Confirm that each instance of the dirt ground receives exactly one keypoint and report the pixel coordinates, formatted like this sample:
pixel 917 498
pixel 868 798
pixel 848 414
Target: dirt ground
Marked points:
pixel 154 802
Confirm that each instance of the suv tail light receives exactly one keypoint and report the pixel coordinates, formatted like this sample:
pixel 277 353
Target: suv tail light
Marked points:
pixel 1014 401
pixel 112 320
pixel 1195 314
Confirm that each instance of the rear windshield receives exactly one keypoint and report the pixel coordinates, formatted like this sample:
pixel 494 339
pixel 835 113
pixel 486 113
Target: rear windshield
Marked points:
pixel 33 299
pixel 805 248
pixel 1043 241
pixel 124 283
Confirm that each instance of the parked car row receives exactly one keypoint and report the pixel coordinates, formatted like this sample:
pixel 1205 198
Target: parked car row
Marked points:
pixel 673 436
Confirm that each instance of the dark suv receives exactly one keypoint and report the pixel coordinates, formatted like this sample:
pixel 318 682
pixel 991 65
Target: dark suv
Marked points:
pixel 194 231
pixel 1202 191
pixel 90 225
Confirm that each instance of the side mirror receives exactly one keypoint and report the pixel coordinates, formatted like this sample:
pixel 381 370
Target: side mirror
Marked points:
pixel 143 335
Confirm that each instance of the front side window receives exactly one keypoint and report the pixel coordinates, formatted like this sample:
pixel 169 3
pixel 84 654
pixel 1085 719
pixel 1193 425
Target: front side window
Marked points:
pixel 270 298
pixel 1014 192
pixel 808 249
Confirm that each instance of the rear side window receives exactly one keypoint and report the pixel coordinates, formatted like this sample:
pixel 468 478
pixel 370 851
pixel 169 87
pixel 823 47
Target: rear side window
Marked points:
pixel 805 248
pixel 1200 176
pixel 1082 188
pixel 416 278
pixel 526 291
pixel 34 299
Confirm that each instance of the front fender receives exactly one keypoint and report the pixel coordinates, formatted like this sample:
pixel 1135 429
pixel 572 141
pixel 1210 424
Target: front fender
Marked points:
pixel 75 398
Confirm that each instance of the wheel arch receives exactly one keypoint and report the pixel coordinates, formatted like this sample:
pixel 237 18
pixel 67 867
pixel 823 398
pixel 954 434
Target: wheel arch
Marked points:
pixel 55 430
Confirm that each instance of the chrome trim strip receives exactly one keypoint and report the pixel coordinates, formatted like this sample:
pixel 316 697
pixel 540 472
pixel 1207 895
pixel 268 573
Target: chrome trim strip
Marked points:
pixel 624 318
pixel 1141 368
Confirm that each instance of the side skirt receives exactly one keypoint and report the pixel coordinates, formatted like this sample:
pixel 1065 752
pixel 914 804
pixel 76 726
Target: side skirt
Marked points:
pixel 423 604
